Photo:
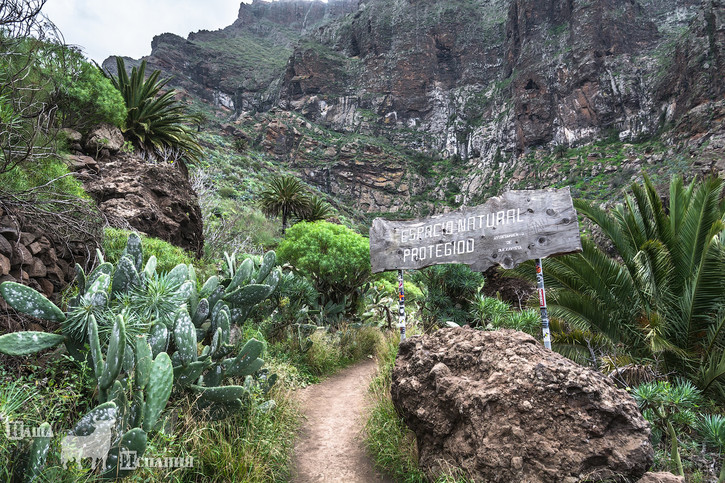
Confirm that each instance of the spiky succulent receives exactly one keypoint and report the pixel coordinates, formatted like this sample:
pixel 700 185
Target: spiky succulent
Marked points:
pixel 155 120
pixel 159 298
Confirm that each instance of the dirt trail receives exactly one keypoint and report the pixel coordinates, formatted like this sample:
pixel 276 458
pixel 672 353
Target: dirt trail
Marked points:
pixel 329 447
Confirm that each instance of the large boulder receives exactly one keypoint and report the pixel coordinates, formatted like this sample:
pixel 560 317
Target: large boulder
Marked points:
pixel 155 199
pixel 501 408
pixel 104 139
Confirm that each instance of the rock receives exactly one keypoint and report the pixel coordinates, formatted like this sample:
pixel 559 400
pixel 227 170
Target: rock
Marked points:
pixel 4 265
pixel 35 248
pixel 21 255
pixel 8 229
pixel 20 276
pixel 71 135
pixel 80 162
pixel 37 269
pixel 55 274
pixel 502 408
pixel 104 136
pixel 31 257
pixel 46 286
pixel 156 199
pixel 49 256
pixel 661 477
pixel 27 238
pixel 5 247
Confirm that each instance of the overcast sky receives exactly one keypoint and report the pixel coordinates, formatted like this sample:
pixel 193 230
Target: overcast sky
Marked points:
pixel 126 27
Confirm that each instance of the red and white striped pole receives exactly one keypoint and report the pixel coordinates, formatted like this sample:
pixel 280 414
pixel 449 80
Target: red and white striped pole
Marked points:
pixel 542 304
pixel 401 306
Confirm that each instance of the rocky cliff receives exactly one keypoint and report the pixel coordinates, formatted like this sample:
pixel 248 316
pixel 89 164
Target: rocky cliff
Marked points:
pixel 420 105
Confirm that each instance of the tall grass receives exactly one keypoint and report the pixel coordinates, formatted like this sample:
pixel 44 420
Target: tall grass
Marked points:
pixel 250 446
pixel 329 352
pixel 388 440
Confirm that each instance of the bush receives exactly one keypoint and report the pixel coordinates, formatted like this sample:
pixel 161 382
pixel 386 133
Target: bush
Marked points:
pixel 333 257
pixel 387 283
pixel 83 95
pixel 167 255
pixel 491 313
pixel 25 177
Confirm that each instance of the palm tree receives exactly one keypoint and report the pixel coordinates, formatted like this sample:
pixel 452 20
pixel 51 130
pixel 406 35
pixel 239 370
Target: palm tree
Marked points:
pixel 663 297
pixel 155 120
pixel 317 209
pixel 286 196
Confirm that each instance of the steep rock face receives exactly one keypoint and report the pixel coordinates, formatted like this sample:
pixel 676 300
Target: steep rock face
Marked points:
pixel 482 83
pixel 695 74
pixel 548 71
pixel 372 175
pixel 239 67
pixel 500 407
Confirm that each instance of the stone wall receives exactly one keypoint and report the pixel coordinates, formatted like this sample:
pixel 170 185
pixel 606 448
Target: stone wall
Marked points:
pixel 37 259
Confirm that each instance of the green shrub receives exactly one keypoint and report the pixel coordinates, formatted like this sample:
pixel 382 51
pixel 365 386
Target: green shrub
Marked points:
pixel 227 192
pixel 333 257
pixel 167 255
pixel 670 410
pixel 25 177
pixel 83 95
pixel 491 313
pixel 328 351
pixel 387 283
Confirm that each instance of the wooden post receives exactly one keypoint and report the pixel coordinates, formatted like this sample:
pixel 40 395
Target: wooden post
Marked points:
pixel 542 304
pixel 401 306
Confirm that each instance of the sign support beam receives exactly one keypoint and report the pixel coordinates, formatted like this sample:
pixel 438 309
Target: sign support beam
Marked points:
pixel 401 306
pixel 542 304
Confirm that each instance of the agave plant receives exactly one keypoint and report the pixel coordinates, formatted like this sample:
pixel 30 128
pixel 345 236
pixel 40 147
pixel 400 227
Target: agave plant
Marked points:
pixel 663 296
pixel 155 120
pixel 669 407
pixel 712 428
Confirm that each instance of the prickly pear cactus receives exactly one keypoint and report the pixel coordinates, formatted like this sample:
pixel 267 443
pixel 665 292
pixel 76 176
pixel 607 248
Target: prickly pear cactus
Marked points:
pixel 30 302
pixel 29 342
pixel 158 390
pixel 38 453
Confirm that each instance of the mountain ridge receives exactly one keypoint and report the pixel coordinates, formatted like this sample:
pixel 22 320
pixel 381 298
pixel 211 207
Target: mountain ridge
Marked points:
pixel 483 94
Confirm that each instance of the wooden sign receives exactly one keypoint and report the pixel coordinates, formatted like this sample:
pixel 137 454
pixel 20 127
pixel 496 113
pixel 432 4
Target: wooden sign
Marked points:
pixel 506 230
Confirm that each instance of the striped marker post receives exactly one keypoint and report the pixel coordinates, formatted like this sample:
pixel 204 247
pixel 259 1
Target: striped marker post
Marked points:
pixel 401 306
pixel 542 304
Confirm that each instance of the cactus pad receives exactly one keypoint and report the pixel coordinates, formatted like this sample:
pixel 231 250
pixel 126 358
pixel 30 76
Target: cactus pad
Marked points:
pixel 30 302
pixel 28 342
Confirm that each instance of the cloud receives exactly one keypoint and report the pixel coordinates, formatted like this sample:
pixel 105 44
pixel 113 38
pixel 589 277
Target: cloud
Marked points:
pixel 104 28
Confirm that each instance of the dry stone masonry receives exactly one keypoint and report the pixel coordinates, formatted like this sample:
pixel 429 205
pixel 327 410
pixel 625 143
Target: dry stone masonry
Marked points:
pixel 30 257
